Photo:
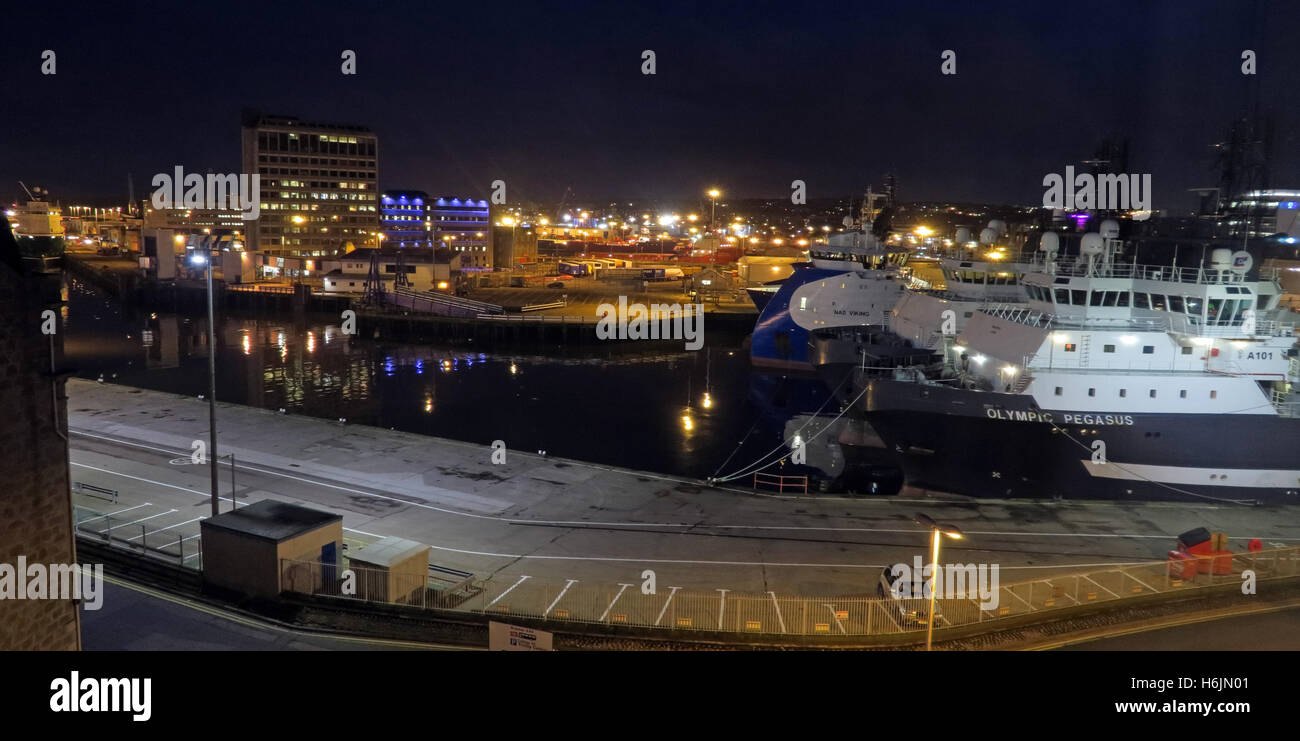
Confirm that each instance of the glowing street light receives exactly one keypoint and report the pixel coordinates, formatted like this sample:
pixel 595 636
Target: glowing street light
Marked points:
pixel 936 528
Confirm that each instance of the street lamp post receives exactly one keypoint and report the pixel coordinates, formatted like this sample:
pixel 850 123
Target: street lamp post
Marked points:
pixel 936 529
pixel 212 382
pixel 713 208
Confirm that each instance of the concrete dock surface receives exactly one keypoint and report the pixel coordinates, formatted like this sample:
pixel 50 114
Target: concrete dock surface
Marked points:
pixel 559 520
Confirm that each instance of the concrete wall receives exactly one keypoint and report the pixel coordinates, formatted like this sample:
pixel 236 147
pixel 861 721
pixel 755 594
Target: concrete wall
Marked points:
pixel 35 503
pixel 240 563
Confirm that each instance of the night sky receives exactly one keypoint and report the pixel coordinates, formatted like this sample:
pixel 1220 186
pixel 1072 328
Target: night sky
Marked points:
pixel 747 96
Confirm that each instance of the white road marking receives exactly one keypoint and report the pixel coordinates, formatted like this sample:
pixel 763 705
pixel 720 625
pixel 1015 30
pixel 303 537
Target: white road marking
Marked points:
pixel 133 522
pixel 777 606
pixel 605 614
pixel 118 512
pixel 140 478
pixel 558 597
pixel 508 591
pixel 169 527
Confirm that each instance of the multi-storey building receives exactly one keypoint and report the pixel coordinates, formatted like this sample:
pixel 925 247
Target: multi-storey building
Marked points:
pixel 403 219
pixel 318 186
pixel 464 227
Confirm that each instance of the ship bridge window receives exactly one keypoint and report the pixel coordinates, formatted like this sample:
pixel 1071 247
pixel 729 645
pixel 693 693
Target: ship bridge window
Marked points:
pixel 1148 349
pixel 1193 305
pixel 1157 302
pixel 1123 299
pixel 1262 303
pixel 1063 296
pixel 1187 350
pixel 1079 298
pixel 1176 303
pixel 1097 297
pixel 1140 301
pixel 1112 297
pixel 1108 348
pixel 1070 347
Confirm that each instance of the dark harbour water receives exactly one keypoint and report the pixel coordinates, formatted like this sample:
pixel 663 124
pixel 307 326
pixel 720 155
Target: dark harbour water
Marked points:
pixel 672 412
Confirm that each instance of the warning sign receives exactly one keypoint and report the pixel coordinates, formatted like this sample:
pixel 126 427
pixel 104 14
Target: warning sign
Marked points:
pixel 505 637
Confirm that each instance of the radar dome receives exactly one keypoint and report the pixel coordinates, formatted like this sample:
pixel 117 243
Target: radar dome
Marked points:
pixel 1241 262
pixel 848 221
pixel 1049 243
pixel 1220 258
pixel 1091 244
pixel 963 235
pixel 999 226
pixel 1109 229
pixel 987 236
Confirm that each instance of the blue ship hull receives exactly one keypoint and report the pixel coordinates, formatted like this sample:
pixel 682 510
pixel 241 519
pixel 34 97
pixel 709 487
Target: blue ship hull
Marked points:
pixel 777 341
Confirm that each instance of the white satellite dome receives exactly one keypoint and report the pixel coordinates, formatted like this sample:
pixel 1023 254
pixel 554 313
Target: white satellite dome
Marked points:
pixel 963 235
pixel 1221 258
pixel 1049 243
pixel 1241 262
pixel 1092 244
pixel 999 226
pixel 1109 229
pixel 848 221
pixel 988 236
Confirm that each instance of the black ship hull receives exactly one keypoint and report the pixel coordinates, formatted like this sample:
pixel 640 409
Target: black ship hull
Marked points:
pixel 1000 445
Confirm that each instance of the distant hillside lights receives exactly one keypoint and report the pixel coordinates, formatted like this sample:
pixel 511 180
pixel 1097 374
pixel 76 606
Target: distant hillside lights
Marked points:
pixel 656 322
pixel 1085 191
pixel 231 192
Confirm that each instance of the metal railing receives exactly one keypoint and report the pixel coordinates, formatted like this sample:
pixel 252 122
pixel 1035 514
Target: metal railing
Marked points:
pixel 129 532
pixel 781 483
pixel 575 601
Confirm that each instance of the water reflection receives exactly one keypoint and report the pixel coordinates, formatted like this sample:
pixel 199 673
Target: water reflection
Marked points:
pixel 603 405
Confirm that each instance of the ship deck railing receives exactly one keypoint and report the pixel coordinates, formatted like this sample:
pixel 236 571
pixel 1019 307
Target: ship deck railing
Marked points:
pixel 1176 323
pixel 1082 267
pixel 1286 405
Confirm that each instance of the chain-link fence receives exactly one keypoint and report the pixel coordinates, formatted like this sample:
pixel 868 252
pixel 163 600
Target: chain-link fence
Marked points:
pixel 523 596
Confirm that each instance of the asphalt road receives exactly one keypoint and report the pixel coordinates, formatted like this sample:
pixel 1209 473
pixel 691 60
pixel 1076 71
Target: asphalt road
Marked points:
pixel 136 619
pixel 1265 631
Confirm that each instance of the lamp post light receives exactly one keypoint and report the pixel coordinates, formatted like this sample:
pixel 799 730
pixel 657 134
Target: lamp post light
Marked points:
pixel 935 529
pixel 713 208
pixel 206 260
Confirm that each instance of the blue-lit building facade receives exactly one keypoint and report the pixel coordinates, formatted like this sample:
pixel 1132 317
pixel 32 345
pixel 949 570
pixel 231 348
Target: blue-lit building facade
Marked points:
pixel 404 219
pixel 463 227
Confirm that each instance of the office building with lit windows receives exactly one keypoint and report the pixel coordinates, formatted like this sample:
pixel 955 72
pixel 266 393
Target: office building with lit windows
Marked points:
pixel 404 220
pixel 319 186
pixel 464 228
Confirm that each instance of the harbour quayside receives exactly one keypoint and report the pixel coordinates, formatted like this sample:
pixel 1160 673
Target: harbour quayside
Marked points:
pixel 1117 380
